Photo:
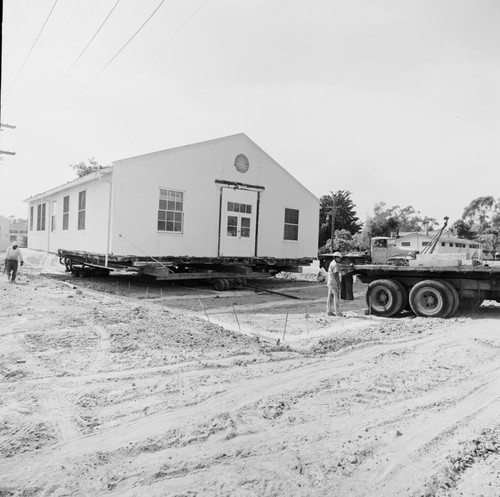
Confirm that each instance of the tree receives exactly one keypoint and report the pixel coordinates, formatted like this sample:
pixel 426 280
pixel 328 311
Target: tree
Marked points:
pixel 344 216
pixel 483 213
pixel 14 220
pixel 83 169
pixel 387 221
pixel 461 229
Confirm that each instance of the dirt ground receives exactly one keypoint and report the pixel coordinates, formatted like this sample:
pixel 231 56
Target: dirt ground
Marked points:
pixel 126 388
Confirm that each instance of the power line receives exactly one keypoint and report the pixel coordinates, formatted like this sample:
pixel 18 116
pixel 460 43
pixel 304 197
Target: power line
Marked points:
pixel 176 32
pixel 31 49
pixel 7 50
pixel 85 22
pixel 117 53
pixel 75 8
pixel 84 50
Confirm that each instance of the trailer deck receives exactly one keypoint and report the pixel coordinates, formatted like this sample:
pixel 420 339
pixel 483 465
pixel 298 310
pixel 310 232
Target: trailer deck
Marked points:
pixel 222 270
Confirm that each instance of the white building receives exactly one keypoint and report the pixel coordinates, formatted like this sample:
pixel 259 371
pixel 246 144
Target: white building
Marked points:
pixel 4 233
pixel 447 243
pixel 223 197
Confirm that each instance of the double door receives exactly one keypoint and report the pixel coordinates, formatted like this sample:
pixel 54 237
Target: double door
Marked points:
pixel 238 222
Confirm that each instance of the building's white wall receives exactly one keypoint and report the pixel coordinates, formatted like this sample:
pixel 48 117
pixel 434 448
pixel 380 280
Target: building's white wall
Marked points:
pixel 92 239
pixel 4 233
pixel 446 244
pixel 193 170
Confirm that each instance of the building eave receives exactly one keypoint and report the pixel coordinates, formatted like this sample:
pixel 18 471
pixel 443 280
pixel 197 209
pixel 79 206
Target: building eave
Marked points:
pixel 71 184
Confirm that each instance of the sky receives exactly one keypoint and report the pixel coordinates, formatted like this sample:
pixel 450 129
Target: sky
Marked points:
pixel 396 101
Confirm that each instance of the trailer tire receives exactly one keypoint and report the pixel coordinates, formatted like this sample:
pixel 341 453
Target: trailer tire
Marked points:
pixel 431 298
pixel 385 298
pixel 227 284
pixel 220 285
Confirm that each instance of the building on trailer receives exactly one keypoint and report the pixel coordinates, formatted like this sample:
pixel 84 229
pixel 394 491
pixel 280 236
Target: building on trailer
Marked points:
pixel 219 198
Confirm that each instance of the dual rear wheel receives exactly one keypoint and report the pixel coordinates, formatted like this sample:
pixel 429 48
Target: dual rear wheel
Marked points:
pixel 434 298
pixel 222 284
pixel 428 298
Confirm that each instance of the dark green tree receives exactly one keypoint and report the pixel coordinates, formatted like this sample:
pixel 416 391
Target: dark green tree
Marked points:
pixel 388 221
pixel 482 214
pixel 461 229
pixel 339 208
pixel 82 169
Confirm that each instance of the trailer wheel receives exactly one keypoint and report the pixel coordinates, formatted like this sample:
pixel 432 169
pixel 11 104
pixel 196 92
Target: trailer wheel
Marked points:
pixel 220 285
pixel 227 284
pixel 384 298
pixel 431 298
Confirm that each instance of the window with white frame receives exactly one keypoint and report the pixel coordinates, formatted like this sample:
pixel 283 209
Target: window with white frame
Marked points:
pixel 54 215
pixel 40 216
pixel 65 223
pixel 32 214
pixel 82 201
pixel 291 224
pixel 171 211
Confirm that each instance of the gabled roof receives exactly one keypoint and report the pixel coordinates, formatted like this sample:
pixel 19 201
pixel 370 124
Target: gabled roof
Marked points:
pixel 106 170
pixel 219 140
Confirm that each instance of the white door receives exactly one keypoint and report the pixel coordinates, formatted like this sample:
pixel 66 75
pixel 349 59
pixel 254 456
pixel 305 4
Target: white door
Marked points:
pixel 238 222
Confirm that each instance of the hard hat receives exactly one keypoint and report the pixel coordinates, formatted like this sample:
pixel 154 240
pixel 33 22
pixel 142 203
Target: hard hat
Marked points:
pixel 337 254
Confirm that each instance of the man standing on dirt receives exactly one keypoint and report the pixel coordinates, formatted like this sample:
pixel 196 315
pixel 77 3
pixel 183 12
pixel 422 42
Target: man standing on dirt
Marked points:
pixel 13 258
pixel 333 285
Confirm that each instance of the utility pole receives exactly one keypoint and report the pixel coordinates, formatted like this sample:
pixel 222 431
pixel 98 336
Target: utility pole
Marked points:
pixel 6 152
pixel 332 215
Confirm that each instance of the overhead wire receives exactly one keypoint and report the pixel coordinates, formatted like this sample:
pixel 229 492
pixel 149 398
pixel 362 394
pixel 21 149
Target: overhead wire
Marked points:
pixel 61 31
pixel 111 60
pixel 7 50
pixel 84 50
pixel 85 22
pixel 29 52
pixel 176 32
pixel 116 54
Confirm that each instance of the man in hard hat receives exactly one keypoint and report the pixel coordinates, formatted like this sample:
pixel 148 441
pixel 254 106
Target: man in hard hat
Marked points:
pixel 13 258
pixel 333 285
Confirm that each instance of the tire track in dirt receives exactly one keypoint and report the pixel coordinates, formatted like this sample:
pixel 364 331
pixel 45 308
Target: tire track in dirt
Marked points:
pixel 416 454
pixel 378 479
pixel 232 399
pixel 58 407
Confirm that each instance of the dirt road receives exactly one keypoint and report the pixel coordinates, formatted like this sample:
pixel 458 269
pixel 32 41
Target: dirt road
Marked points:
pixel 111 389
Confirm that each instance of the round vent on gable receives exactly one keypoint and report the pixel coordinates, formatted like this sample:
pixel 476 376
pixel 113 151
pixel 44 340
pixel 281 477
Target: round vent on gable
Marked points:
pixel 241 163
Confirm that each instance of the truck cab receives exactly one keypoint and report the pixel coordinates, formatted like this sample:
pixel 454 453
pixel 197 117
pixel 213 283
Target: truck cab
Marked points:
pixel 383 247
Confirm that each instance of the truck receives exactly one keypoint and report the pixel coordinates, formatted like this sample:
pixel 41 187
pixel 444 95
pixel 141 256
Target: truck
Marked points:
pixel 431 285
pixel 429 290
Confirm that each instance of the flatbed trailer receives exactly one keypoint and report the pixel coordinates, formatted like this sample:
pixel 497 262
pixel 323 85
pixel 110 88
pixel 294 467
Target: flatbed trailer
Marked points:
pixel 430 291
pixel 223 271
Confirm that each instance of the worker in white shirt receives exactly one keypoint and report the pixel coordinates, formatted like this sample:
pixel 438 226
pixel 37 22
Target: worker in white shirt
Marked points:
pixel 333 285
pixel 13 258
